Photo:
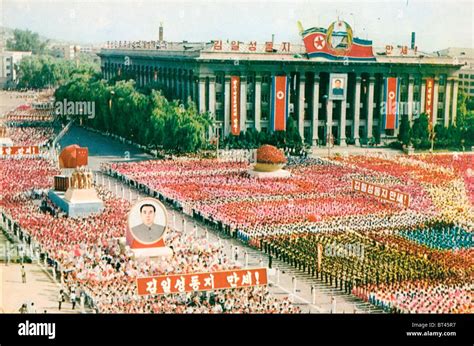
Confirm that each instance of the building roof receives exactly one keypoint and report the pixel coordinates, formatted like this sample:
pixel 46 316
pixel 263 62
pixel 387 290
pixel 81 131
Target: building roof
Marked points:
pixel 457 52
pixel 297 53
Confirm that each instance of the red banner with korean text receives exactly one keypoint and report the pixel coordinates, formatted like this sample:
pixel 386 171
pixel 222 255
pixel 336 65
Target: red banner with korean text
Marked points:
pixel 391 103
pixel 19 151
pixel 235 105
pixel 429 96
pixel 381 192
pixel 180 283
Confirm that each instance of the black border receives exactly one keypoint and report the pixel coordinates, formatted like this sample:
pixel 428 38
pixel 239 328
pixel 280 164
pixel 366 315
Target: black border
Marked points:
pixel 316 329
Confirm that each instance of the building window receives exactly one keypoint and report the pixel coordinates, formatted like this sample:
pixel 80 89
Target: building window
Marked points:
pixel 250 114
pixel 442 80
pixel 266 79
pixel 250 96
pixel 471 76
pixel 265 97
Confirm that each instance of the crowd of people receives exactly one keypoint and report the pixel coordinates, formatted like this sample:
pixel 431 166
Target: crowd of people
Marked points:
pixel 29 115
pixel 462 165
pixel 318 191
pixel 420 296
pixel 19 175
pixel 27 136
pixel 430 241
pixel 91 257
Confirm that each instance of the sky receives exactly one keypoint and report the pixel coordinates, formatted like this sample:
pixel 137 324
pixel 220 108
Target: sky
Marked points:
pixel 438 24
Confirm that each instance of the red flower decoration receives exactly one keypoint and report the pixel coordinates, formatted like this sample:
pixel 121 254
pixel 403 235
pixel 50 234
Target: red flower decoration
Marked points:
pixel 270 154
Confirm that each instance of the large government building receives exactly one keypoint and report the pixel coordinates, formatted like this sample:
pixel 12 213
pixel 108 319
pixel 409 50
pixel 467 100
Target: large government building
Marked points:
pixel 330 83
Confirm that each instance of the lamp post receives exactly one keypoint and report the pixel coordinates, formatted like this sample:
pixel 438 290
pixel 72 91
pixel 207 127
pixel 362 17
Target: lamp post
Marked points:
pixel 112 93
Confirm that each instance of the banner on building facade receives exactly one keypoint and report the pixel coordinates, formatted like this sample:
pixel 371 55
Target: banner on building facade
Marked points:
pixel 381 192
pixel 279 103
pixel 336 43
pixel 19 151
pixel 391 92
pixel 337 86
pixel 235 105
pixel 429 97
pixel 180 283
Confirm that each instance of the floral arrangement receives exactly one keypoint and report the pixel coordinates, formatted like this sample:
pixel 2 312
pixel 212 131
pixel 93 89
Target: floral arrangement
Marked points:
pixel 270 154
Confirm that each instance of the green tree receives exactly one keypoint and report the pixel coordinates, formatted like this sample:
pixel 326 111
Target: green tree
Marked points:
pixel 293 138
pixel 404 135
pixel 420 132
pixel 26 41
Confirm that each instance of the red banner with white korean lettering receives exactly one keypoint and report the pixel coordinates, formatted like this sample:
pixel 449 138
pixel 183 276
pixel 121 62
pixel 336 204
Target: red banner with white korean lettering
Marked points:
pixel 429 96
pixel 279 105
pixel 19 151
pixel 391 103
pixel 235 105
pixel 381 192
pixel 180 283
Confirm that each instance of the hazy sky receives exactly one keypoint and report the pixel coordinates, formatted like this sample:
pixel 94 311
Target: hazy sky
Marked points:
pixel 438 24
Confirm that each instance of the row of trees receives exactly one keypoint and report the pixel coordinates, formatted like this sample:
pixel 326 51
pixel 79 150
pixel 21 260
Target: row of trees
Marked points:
pixel 41 71
pixel 45 67
pixel 147 118
pixel 456 136
pixel 252 138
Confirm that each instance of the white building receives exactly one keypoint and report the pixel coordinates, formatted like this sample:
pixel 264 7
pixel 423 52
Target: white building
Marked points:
pixel 8 60
pixel 466 73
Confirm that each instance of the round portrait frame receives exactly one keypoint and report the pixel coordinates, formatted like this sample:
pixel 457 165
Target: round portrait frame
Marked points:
pixel 156 203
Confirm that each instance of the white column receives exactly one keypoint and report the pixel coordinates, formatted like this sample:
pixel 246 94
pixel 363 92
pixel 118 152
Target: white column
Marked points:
pixel 410 99
pixel 243 103
pixel 329 122
pixel 447 102
pixel 370 109
pixel 227 106
pixel 301 94
pixel 212 96
pixel 435 102
pixel 315 115
pixel 258 102
pixel 382 115
pixel 202 94
pixel 455 102
pixel 357 111
pixel 342 125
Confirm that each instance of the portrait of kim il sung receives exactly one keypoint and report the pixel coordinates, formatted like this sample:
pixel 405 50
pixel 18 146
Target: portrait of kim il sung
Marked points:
pixel 338 86
pixel 147 221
